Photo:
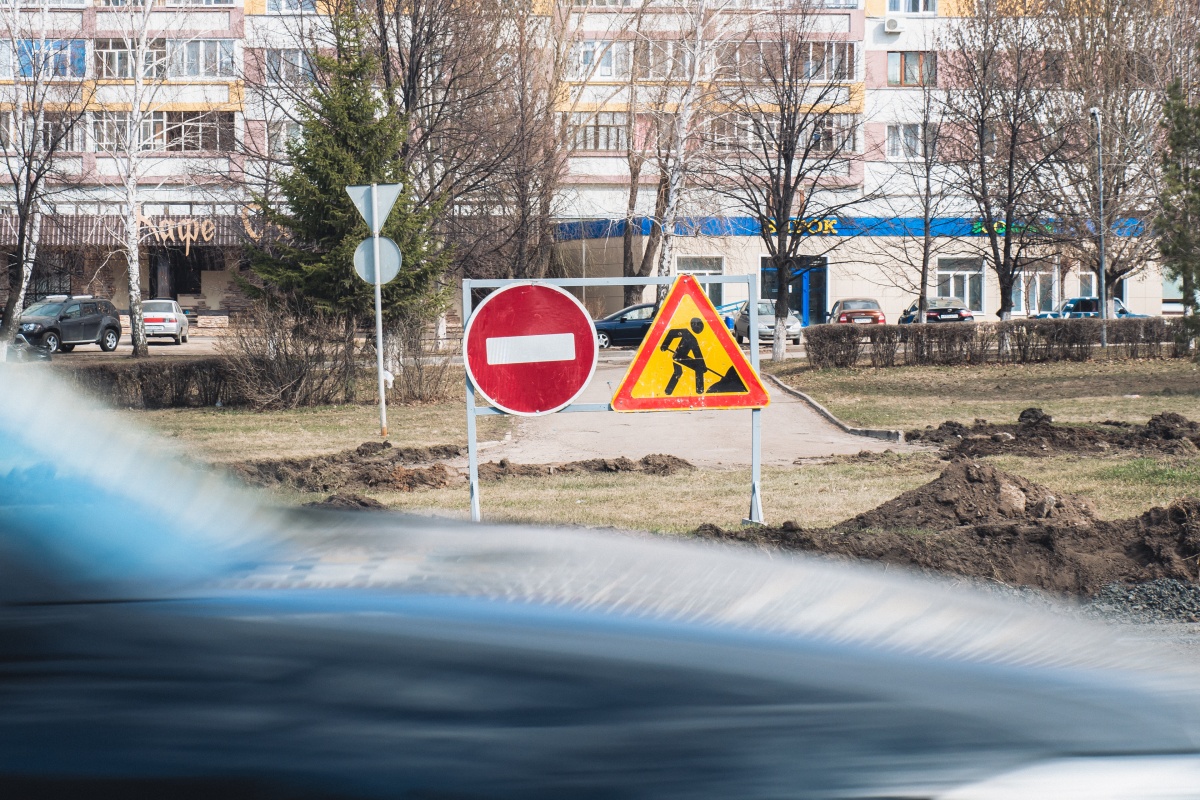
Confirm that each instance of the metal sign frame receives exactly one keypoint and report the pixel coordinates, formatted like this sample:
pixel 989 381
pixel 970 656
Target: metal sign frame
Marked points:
pixel 473 410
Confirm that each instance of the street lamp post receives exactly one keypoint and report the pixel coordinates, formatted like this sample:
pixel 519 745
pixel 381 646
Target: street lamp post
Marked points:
pixel 1095 113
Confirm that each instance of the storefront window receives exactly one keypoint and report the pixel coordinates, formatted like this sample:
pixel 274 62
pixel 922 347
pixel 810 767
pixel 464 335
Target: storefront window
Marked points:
pixel 703 265
pixel 1034 291
pixel 961 278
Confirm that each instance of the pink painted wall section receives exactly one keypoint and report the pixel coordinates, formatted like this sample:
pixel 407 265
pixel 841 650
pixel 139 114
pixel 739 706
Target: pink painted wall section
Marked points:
pixel 874 141
pixel 875 64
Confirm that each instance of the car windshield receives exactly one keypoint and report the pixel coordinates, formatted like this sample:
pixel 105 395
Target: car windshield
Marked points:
pixel 42 310
pixel 765 309
pixel 860 305
pixel 1086 304
pixel 946 302
pixel 158 305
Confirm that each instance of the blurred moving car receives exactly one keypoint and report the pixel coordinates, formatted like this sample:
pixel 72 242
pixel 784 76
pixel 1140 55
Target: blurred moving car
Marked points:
pixel 165 318
pixel 1085 307
pixel 938 309
pixel 625 327
pixel 266 654
pixel 862 310
pixel 766 323
pixel 60 322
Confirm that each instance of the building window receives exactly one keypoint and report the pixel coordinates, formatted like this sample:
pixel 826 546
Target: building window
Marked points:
pixel 828 61
pixel 1034 291
pixel 61 132
pixel 662 59
pixel 835 133
pixel 600 59
pixel 961 278
pixel 52 58
pixel 173 131
pixel 912 6
pixel 287 67
pixel 1088 284
pixel 280 134
pixel 821 61
pixel 600 130
pixel 203 58
pixel 703 265
pixel 6 119
pixel 910 141
pixel 292 6
pixel 912 68
pixel 114 59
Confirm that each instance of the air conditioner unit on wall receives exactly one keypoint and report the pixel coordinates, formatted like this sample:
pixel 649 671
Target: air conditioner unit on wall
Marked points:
pixel 893 25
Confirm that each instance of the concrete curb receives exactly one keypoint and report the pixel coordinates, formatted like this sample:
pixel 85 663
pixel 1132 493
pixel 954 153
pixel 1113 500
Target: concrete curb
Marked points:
pixel 873 433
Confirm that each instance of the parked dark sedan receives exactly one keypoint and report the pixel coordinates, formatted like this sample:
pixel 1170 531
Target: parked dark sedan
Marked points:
pixel 61 323
pixel 143 660
pixel 626 327
pixel 1085 307
pixel 939 309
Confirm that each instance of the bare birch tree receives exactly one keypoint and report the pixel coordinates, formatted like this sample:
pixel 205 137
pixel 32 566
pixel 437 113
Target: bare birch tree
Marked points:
pixel 46 100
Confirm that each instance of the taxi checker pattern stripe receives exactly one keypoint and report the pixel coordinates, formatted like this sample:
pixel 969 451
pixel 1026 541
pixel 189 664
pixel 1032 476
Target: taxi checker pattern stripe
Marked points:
pixel 530 349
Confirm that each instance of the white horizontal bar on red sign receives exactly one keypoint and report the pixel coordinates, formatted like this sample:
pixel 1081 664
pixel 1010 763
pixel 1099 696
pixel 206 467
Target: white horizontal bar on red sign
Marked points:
pixel 531 349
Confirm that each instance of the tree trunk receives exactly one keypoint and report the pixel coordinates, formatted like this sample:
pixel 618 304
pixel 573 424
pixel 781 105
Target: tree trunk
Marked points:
pixel 133 271
pixel 18 282
pixel 779 342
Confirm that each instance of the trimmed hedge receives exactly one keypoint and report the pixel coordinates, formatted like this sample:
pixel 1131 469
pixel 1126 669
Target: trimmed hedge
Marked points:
pixel 175 382
pixel 1022 341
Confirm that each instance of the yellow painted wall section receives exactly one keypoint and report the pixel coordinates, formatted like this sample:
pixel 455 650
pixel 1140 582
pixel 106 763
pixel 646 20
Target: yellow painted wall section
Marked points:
pixel 255 7
pixel 955 8
pixel 877 8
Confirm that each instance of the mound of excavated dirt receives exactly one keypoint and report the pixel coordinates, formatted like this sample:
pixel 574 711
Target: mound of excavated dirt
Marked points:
pixel 1035 434
pixel 370 465
pixel 655 464
pixel 977 521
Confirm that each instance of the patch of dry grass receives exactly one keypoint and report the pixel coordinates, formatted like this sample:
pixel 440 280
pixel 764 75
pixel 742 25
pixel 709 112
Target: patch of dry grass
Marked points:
pixel 913 397
pixel 222 435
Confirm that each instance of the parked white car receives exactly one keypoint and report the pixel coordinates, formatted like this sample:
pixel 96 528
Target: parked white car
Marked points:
pixel 165 318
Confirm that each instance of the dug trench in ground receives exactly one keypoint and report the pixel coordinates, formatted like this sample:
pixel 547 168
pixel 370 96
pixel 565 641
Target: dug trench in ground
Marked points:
pixel 378 465
pixel 978 521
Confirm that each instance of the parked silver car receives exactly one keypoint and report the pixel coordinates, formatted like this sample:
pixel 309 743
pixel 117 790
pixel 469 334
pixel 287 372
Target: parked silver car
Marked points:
pixel 165 318
pixel 766 323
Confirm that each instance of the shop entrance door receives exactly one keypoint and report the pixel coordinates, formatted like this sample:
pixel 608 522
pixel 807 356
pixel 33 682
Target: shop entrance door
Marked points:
pixel 808 294
pixel 160 277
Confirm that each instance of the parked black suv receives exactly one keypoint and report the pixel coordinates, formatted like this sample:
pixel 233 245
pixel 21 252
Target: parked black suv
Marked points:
pixel 59 323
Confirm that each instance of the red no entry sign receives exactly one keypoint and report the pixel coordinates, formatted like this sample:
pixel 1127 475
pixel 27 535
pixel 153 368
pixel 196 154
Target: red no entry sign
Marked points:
pixel 530 349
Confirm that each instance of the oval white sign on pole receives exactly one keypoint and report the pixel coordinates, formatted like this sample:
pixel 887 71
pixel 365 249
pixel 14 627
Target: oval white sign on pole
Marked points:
pixel 389 257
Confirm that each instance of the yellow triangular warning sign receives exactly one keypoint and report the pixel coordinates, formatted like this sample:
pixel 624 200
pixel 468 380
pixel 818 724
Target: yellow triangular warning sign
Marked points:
pixel 689 360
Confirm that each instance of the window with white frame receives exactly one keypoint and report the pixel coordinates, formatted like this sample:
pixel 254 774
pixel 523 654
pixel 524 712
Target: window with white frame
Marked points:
pixel 598 130
pixel 114 59
pixel 961 278
pixel 6 58
pixel 6 120
pixel 193 131
pixel 662 59
pixel 835 133
pixel 703 265
pixel 292 6
pixel 111 131
pixel 62 132
pixel 287 66
pixel 910 141
pixel 829 61
pixel 52 58
pixel 912 68
pixel 743 131
pixel 1087 284
pixel 280 135
pixel 601 59
pixel 912 6
pixel 820 61
pixel 202 58
pixel 1035 292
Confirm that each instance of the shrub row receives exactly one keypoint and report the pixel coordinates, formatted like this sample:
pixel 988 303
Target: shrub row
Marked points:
pixel 173 382
pixel 1024 341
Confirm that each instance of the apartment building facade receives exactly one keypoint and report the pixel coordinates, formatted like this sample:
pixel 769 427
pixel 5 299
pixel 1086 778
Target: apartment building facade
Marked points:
pixel 187 99
pixel 884 55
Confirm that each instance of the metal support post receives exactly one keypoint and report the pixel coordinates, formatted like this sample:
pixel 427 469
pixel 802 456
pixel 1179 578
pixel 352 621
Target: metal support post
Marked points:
pixel 375 226
pixel 1100 227
pixel 472 444
pixel 756 513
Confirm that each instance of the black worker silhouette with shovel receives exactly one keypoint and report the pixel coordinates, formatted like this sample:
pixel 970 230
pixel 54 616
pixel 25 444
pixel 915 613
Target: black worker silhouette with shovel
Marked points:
pixel 688 354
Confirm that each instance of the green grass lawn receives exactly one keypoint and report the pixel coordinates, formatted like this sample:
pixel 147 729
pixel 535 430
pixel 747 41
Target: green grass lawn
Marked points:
pixel 913 397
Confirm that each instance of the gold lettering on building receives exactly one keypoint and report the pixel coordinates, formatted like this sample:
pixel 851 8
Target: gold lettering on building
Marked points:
pixel 185 231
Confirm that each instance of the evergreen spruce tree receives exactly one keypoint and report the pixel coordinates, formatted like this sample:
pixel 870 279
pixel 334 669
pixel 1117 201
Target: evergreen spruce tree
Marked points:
pixel 349 136
pixel 1178 223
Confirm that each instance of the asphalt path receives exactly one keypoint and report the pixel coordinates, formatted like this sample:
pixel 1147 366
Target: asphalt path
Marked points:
pixel 791 430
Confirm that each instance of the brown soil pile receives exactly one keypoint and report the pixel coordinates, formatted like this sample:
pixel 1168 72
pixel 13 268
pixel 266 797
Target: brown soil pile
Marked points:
pixel 371 465
pixel 1035 434
pixel 977 521
pixel 655 464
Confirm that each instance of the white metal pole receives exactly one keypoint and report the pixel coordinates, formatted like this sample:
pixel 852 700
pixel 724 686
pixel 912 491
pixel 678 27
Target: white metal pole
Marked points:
pixel 472 446
pixel 756 512
pixel 1100 226
pixel 375 227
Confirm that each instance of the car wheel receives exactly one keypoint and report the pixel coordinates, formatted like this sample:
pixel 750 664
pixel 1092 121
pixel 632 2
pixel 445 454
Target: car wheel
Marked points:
pixel 66 348
pixel 185 336
pixel 179 338
pixel 51 342
pixel 108 340
pixel 603 340
pixel 741 339
pixel 796 340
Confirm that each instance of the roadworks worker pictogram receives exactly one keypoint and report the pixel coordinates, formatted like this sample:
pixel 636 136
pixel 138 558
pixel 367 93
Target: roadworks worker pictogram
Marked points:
pixel 689 360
